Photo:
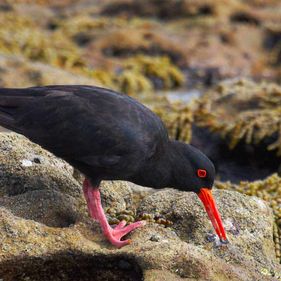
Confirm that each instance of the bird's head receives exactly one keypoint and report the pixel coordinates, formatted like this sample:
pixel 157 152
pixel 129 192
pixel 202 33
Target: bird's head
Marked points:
pixel 194 171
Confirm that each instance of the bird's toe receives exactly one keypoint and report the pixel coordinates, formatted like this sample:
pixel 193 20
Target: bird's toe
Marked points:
pixel 121 230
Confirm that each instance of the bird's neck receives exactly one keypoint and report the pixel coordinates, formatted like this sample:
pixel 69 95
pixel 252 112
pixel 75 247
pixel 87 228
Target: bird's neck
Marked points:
pixel 158 170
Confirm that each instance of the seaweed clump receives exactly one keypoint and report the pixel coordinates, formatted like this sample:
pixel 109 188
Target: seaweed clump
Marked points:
pixel 268 190
pixel 178 119
pixel 131 216
pixel 21 36
pixel 141 74
pixel 161 71
pixel 242 110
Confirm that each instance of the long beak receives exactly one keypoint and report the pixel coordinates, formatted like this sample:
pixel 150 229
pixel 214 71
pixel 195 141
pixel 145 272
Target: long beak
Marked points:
pixel 207 199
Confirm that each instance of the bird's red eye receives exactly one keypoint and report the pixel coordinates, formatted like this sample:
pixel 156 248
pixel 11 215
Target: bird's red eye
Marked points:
pixel 201 173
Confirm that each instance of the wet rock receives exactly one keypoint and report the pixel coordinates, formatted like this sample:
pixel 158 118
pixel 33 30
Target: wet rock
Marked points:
pixel 46 233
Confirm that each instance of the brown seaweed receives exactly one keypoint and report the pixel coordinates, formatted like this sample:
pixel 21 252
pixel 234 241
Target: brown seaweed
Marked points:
pixel 241 110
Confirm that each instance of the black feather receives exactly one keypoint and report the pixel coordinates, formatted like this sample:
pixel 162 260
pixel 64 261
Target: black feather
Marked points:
pixel 104 134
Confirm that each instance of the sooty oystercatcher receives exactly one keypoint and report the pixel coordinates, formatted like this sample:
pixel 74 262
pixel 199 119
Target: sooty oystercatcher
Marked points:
pixel 109 136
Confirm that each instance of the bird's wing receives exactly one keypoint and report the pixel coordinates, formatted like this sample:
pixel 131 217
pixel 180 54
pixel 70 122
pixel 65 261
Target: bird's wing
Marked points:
pixel 87 124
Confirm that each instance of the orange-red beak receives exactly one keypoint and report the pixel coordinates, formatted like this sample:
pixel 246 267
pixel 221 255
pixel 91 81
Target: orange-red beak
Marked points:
pixel 207 199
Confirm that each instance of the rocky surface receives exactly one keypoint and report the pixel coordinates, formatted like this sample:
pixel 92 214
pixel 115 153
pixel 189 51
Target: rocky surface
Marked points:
pixel 17 71
pixel 46 234
pixel 137 47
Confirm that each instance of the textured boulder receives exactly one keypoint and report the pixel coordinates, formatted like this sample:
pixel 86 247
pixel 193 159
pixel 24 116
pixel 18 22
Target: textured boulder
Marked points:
pixel 248 222
pixel 25 166
pixel 46 233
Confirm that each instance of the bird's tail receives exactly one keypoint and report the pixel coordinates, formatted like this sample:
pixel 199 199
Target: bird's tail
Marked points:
pixel 11 100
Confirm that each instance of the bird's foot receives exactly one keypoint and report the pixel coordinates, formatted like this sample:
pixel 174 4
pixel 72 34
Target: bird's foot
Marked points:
pixel 115 234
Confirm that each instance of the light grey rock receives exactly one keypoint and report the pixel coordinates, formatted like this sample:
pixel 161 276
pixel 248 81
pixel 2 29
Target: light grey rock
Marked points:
pixel 46 233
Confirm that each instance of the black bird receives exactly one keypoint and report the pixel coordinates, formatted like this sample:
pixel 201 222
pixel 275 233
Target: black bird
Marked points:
pixel 109 136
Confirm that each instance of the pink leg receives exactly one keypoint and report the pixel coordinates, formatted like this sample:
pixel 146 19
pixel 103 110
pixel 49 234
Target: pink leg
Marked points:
pixel 86 187
pixel 114 235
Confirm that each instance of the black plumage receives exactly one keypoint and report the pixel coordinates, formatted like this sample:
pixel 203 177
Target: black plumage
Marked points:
pixel 104 134
pixel 108 136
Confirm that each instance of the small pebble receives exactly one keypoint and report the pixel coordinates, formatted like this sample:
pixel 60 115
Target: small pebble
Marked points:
pixel 37 160
pixel 210 237
pixel 26 163
pixel 155 238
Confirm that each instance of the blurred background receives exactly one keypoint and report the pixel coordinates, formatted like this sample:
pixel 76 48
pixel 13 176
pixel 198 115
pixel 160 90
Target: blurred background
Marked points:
pixel 210 69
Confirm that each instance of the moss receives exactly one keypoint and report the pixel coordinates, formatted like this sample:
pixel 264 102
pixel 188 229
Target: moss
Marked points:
pixel 268 190
pixel 241 110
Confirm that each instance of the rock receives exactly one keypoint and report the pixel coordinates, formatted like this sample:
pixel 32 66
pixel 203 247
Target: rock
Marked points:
pixel 43 172
pixel 248 222
pixel 116 195
pixel 48 207
pixel 46 233
pixel 35 73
